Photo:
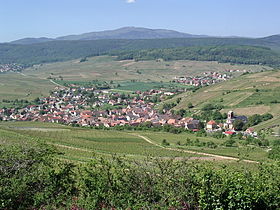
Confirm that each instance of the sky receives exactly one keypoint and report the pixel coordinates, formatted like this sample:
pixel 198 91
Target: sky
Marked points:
pixel 53 18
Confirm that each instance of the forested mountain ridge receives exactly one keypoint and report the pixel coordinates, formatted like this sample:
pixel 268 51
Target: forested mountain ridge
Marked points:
pixel 222 54
pixel 32 40
pixel 53 51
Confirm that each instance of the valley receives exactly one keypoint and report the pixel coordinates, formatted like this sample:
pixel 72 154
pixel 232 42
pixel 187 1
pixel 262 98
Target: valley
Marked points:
pixel 139 105
pixel 130 77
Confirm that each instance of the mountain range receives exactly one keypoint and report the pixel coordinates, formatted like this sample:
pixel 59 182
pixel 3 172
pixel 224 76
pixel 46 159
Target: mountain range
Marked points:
pixel 121 33
pixel 31 51
pixel 131 33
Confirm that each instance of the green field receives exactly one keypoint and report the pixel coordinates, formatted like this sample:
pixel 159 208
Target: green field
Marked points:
pixel 106 68
pixel 17 86
pixel 84 144
pixel 34 82
pixel 248 94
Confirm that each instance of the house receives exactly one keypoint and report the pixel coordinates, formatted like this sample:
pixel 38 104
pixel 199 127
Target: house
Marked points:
pixel 171 121
pixel 211 125
pixel 192 125
pixel 251 132
pixel 229 133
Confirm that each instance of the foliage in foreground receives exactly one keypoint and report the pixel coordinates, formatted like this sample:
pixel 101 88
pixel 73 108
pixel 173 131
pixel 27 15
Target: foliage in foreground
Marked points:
pixel 32 177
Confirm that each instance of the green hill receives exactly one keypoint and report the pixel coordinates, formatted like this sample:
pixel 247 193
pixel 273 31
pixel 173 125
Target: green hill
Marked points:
pixel 53 51
pixel 249 94
pixel 222 54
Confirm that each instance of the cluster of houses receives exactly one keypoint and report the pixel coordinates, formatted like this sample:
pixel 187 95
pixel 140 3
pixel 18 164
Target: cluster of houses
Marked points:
pixel 208 78
pixel 90 107
pixel 13 67
pixel 228 126
pixel 237 71
pixel 80 106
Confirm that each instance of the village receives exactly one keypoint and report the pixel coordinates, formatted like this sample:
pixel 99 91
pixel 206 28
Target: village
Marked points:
pixel 90 107
pixel 13 67
pixel 208 78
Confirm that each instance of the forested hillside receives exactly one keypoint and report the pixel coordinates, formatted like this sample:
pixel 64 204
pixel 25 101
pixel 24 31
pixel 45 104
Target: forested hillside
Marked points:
pixel 222 54
pixel 54 51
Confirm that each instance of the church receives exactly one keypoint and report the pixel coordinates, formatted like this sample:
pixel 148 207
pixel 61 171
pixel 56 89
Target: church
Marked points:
pixel 231 118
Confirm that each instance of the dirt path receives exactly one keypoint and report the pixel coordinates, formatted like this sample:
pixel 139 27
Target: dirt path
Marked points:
pixel 56 83
pixel 22 74
pixel 87 150
pixel 210 156
pixel 70 147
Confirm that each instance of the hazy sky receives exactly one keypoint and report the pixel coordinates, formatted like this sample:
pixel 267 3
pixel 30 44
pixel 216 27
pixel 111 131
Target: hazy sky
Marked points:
pixel 52 18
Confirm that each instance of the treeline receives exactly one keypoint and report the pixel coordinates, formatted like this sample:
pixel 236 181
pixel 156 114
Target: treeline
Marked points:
pixel 222 54
pixel 55 51
pixel 32 177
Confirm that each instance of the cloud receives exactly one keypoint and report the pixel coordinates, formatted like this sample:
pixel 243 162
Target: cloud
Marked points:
pixel 130 1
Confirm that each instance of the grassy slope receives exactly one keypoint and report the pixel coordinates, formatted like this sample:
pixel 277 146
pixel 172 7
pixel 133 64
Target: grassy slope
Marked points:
pixel 247 95
pixel 17 86
pixel 106 68
pixel 34 82
pixel 84 144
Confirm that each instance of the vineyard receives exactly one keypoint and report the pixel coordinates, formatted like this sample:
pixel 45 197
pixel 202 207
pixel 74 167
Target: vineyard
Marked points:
pixel 83 144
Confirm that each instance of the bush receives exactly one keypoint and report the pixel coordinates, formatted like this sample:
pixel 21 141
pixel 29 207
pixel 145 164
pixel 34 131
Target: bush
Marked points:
pixel 229 142
pixel 165 143
pixel 32 178
pixel 274 153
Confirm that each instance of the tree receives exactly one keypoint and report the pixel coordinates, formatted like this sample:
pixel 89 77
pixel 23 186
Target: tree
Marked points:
pixel 181 112
pixel 274 153
pixel 217 116
pixel 229 142
pixel 165 143
pixel 208 107
pixel 148 124
pixel 178 100
pixel 190 105
pixel 238 125
pixel 83 60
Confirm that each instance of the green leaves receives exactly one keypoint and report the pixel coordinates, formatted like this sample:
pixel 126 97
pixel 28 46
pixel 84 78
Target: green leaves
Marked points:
pixel 32 177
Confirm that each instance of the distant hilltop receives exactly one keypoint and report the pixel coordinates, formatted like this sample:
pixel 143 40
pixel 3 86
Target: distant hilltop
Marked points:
pixel 129 33
pixel 121 33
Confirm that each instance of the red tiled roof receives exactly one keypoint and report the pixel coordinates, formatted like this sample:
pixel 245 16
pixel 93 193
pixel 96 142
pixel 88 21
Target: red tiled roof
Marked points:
pixel 211 122
pixel 230 132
